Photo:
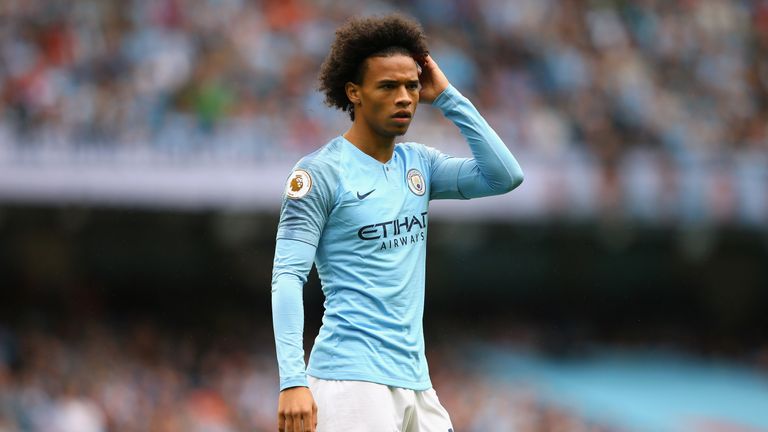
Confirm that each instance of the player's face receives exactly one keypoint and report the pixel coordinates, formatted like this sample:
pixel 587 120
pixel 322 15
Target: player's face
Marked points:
pixel 388 95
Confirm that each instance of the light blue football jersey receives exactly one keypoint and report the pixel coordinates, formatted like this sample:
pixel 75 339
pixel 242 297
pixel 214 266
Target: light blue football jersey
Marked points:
pixel 364 224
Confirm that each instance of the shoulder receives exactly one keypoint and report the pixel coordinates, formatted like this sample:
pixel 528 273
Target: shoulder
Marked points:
pixel 324 163
pixel 317 171
pixel 324 160
pixel 413 149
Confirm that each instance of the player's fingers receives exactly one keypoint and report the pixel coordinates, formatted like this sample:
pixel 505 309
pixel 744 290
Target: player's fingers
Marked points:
pixel 289 423
pixel 314 417
pixel 307 421
pixel 280 423
pixel 297 423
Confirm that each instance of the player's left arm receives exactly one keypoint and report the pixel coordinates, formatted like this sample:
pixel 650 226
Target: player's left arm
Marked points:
pixel 493 170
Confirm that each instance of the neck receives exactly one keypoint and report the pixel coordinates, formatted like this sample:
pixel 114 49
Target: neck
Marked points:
pixel 374 145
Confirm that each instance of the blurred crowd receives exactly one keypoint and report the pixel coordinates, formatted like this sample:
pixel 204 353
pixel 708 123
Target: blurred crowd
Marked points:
pixel 144 378
pixel 656 109
pixel 239 76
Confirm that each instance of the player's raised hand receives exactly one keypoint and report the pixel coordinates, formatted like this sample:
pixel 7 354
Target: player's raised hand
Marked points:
pixel 296 410
pixel 433 80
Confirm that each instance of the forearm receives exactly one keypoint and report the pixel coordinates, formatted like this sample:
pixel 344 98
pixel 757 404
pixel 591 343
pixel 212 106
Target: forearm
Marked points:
pixel 493 169
pixel 293 260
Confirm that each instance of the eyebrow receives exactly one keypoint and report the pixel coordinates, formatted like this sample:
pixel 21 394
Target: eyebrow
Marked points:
pixel 392 81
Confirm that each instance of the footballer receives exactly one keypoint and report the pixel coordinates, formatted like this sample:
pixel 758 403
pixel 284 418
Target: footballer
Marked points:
pixel 358 209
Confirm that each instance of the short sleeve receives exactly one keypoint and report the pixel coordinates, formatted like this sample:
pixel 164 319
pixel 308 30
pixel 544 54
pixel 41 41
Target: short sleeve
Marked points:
pixel 307 201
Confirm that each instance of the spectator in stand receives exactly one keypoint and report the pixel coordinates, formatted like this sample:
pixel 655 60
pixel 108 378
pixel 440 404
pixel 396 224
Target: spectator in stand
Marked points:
pixel 678 90
pixel 147 379
pixel 676 77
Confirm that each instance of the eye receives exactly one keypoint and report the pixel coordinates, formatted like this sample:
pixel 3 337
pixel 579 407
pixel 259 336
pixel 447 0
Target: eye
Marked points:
pixel 414 86
pixel 388 86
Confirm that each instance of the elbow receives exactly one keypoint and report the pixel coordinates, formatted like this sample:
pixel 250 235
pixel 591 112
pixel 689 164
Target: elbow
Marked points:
pixel 511 181
pixel 514 175
pixel 518 178
pixel 283 278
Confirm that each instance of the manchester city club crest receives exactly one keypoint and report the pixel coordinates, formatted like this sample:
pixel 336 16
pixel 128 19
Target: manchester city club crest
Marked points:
pixel 299 184
pixel 416 182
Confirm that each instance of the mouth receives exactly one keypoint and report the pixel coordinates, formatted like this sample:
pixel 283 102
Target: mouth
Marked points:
pixel 402 116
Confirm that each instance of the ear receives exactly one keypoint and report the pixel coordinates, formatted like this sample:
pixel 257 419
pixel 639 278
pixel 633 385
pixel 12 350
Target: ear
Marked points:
pixel 353 92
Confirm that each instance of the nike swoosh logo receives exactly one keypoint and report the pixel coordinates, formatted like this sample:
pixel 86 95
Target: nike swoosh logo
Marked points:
pixel 363 196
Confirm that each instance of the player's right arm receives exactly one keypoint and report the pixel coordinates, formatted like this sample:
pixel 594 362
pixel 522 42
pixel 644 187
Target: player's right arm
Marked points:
pixel 296 408
pixel 307 203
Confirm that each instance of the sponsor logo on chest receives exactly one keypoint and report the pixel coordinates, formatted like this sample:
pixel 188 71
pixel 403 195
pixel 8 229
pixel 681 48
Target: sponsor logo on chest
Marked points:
pixel 403 231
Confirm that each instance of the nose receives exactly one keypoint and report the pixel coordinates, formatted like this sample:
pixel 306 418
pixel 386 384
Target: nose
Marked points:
pixel 403 98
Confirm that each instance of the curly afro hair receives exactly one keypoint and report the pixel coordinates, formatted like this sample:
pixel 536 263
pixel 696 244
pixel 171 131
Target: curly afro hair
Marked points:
pixel 359 39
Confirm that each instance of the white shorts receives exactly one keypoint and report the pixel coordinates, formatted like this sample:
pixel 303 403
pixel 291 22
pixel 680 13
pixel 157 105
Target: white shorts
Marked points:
pixel 359 406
